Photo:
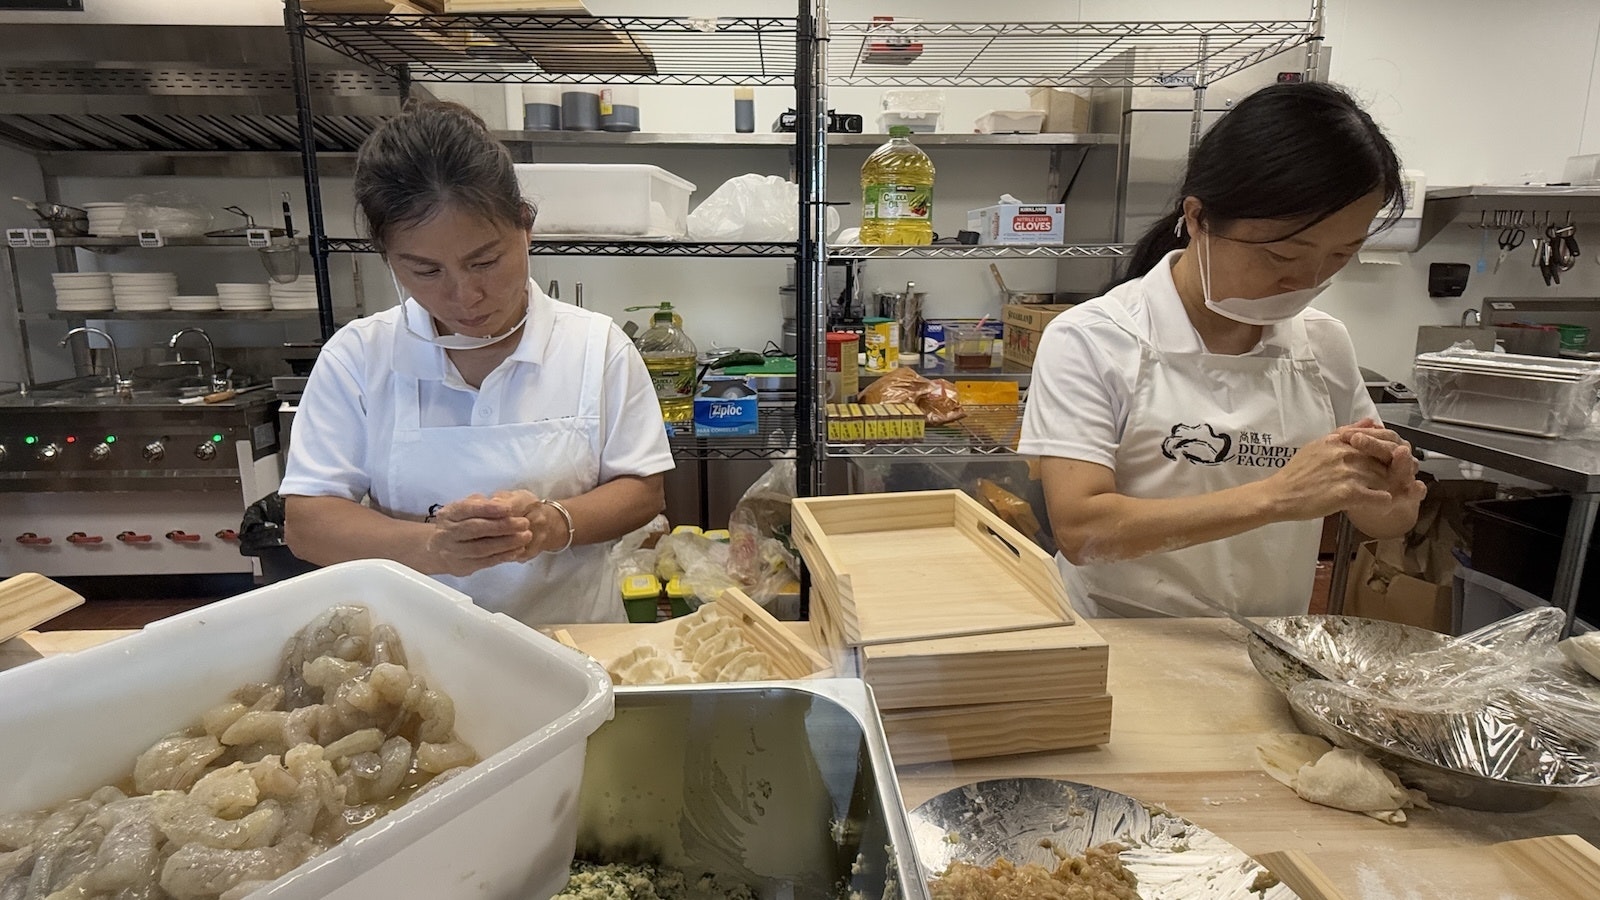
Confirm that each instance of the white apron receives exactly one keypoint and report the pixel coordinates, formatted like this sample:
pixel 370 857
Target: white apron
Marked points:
pixel 554 458
pixel 1199 423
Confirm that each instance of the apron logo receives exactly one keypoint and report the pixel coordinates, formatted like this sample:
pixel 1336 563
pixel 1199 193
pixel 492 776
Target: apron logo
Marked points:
pixel 1199 444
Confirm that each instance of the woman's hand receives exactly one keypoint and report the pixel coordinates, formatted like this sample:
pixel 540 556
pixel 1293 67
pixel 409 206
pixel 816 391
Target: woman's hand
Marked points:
pixel 1394 452
pixel 1328 476
pixel 478 532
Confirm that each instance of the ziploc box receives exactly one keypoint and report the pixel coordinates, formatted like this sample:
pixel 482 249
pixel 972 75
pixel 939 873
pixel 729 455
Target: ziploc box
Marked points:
pixel 1019 223
pixel 725 405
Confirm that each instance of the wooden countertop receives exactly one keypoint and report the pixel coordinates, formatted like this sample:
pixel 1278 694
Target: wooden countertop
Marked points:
pixel 1189 707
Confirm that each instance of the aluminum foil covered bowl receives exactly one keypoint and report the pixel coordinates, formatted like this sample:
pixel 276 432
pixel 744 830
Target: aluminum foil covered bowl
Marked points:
pixel 1495 720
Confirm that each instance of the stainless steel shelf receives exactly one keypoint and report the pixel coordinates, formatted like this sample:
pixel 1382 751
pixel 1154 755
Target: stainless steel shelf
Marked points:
pixel 615 248
pixel 780 140
pixel 93 242
pixel 1444 205
pixel 283 314
pixel 961 251
pixel 1568 465
pixel 1063 54
pixel 483 48
pixel 775 441
pixel 986 431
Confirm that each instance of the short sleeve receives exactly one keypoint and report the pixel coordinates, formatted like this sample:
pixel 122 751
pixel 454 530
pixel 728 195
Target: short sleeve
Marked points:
pixel 634 439
pixel 328 444
pixel 1074 409
pixel 1336 356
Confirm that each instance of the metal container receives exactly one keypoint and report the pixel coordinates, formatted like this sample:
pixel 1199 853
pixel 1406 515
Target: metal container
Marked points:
pixel 1535 395
pixel 905 307
pixel 786 787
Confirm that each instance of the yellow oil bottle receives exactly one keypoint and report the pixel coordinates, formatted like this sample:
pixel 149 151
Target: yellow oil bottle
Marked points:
pixel 897 193
pixel 670 357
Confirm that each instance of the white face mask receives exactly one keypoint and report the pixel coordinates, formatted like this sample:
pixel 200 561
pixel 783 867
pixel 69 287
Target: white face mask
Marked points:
pixel 1273 310
pixel 465 341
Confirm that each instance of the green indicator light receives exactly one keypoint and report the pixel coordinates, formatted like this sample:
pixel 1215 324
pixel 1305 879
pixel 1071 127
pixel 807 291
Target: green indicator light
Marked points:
pixel 30 439
pixel 216 438
pixel 111 439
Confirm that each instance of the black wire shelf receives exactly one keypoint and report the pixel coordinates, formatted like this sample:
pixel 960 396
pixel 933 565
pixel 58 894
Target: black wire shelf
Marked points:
pixel 613 248
pixel 992 251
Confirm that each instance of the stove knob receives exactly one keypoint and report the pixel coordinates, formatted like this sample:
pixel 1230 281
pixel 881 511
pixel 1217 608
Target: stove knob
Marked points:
pixel 153 451
pixel 50 452
pixel 100 451
pixel 207 450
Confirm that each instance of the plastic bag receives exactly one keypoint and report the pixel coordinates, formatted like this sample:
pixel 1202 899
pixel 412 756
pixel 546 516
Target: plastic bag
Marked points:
pixel 173 213
pixel 699 563
pixel 1501 702
pixel 751 208
pixel 936 398
pixel 760 555
pixel 634 553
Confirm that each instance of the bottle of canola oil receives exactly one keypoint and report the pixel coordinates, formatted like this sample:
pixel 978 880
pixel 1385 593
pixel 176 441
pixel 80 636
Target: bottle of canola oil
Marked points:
pixel 897 193
pixel 670 357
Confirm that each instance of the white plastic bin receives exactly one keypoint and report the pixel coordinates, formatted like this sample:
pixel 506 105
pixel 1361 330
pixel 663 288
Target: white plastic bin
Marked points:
pixel 504 828
pixel 920 121
pixel 616 201
pixel 1010 121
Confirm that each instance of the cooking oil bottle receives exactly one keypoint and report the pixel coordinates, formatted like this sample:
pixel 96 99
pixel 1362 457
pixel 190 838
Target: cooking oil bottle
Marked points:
pixel 897 193
pixel 669 355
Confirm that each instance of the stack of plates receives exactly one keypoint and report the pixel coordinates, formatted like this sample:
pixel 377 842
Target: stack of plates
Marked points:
pixel 200 303
pixel 106 219
pixel 244 297
pixel 83 291
pixel 298 294
pixel 143 291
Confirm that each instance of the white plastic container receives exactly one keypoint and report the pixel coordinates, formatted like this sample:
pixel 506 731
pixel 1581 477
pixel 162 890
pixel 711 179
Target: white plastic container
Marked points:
pixel 1010 121
pixel 597 200
pixel 506 827
pixel 920 121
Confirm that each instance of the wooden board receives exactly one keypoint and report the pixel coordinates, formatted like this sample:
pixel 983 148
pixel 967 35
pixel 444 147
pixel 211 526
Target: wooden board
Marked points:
pixel 996 729
pixel 921 565
pixel 1558 867
pixel 1039 664
pixel 30 600
pixel 792 657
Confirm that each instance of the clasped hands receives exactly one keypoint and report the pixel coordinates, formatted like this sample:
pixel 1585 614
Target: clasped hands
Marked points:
pixel 477 532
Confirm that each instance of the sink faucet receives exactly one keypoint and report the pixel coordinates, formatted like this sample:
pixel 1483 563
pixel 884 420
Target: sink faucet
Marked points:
pixel 121 384
pixel 217 384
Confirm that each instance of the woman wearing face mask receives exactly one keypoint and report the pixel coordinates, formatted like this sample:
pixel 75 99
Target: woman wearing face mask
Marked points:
pixel 1197 423
pixel 501 441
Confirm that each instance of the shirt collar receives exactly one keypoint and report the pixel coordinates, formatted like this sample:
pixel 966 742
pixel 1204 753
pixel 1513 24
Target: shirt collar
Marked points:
pixel 422 360
pixel 1170 328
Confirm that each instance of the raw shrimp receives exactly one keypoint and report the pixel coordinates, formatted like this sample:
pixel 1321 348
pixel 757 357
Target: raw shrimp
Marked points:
pixel 438 714
pixel 326 672
pixel 396 765
pixel 17 829
pixel 13 859
pixel 366 740
pixel 186 822
pixel 129 856
pixel 344 631
pixel 272 779
pixel 301 725
pixel 442 756
pixel 218 718
pixel 228 793
pixel 195 872
pixel 256 728
pixel 174 763
pixel 386 647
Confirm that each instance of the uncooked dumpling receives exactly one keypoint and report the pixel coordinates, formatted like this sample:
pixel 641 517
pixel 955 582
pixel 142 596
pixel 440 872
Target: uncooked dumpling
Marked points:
pixel 1584 650
pixel 1282 755
pixel 1344 779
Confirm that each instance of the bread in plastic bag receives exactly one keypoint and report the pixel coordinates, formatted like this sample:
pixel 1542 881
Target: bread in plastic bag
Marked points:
pixel 936 398
pixel 751 208
pixel 759 553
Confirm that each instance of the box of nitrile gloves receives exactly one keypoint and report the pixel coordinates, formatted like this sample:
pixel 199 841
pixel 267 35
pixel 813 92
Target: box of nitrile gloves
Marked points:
pixel 1019 223
pixel 725 405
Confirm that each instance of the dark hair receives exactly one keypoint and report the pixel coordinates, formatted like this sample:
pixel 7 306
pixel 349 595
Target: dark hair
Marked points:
pixel 434 154
pixel 1288 151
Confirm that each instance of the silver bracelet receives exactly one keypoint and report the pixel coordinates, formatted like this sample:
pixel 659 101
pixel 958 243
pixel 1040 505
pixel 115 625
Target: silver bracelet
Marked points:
pixel 571 531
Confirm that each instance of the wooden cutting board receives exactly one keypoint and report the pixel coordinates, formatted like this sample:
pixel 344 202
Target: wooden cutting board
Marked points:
pixel 1561 867
pixel 29 600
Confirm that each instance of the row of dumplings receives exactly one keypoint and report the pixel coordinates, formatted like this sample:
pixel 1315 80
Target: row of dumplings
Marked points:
pixel 709 646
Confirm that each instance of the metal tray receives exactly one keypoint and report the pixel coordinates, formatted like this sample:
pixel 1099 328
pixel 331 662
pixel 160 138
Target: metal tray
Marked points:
pixel 1030 820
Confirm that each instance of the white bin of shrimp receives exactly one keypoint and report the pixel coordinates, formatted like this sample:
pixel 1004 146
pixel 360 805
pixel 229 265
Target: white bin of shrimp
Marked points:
pixel 1536 395
pixel 218 805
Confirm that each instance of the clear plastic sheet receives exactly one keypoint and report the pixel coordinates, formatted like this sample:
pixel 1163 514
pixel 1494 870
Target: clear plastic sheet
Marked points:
pixel 1502 703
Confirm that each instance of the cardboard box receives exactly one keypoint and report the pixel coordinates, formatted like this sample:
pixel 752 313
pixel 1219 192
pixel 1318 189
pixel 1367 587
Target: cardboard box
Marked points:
pixel 1064 111
pixel 725 405
pixel 1379 590
pixel 1019 223
pixel 1024 325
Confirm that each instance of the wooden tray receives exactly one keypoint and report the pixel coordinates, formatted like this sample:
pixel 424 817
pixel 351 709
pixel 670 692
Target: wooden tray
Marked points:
pixel 792 657
pixel 30 600
pixel 1068 661
pixel 996 729
pixel 926 564
pixel 1561 867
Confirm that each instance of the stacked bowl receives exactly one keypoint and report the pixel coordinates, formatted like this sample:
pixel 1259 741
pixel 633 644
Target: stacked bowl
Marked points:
pixel 196 303
pixel 299 294
pixel 83 291
pixel 143 291
pixel 244 297
pixel 107 219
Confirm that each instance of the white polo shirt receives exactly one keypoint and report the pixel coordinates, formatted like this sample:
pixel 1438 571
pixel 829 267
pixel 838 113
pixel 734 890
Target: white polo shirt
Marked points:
pixel 1086 365
pixel 345 424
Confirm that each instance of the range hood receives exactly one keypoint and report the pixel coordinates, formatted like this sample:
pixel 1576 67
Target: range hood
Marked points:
pixel 175 88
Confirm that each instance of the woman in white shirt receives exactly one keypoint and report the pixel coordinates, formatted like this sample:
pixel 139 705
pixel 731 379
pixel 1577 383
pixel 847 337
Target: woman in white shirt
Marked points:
pixel 1197 423
pixel 479 432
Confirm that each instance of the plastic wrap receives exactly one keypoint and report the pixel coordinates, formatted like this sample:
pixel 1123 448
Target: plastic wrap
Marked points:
pixel 699 563
pixel 634 553
pixel 936 398
pixel 1536 395
pixel 759 553
pixel 1501 703
pixel 173 213
pixel 751 208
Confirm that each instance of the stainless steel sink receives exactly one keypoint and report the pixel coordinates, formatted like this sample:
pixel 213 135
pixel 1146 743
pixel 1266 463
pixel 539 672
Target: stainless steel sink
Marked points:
pixel 787 788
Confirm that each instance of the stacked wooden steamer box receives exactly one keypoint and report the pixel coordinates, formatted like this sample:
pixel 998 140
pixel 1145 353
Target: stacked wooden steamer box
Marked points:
pixel 959 623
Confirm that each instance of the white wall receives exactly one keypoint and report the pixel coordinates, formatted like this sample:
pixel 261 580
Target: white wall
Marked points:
pixel 1470 90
